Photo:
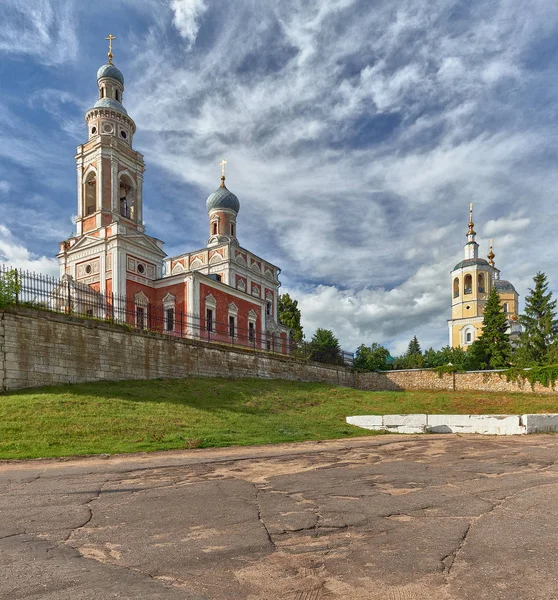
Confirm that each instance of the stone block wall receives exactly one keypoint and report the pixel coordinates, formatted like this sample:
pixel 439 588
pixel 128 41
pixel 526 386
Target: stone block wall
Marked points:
pixel 42 348
pixel 482 381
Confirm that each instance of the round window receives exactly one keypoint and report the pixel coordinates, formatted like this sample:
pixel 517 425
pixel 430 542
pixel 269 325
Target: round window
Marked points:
pixel 107 128
pixel 141 268
pixel 93 130
pixel 123 134
pixel 88 269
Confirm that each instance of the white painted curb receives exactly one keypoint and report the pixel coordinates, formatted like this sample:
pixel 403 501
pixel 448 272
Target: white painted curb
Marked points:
pixel 484 424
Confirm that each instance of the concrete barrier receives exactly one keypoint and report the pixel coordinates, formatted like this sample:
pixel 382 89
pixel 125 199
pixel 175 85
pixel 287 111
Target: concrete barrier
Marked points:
pixel 483 424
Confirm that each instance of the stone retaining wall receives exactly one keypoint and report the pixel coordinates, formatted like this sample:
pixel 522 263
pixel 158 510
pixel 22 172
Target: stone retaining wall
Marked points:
pixel 43 348
pixel 485 381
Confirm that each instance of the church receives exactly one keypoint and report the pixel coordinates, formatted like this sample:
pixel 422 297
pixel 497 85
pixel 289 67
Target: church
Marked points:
pixel 472 280
pixel 221 292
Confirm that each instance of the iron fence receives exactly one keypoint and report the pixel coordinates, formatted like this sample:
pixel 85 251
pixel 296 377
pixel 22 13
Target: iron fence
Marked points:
pixel 68 296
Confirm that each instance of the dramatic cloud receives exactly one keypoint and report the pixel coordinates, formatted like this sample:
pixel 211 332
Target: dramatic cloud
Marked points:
pixel 357 133
pixel 41 29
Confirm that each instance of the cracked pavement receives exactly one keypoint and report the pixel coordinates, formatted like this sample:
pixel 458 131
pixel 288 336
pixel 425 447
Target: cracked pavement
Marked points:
pixel 390 517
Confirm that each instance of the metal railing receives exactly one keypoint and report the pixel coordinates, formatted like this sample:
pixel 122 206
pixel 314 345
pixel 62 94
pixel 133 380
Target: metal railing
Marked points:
pixel 68 296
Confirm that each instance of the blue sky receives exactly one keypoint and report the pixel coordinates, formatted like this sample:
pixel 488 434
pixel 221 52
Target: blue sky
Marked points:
pixel 357 132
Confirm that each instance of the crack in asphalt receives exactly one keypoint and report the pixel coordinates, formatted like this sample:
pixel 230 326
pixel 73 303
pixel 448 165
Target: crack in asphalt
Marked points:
pixel 449 560
pixel 89 518
pixel 270 539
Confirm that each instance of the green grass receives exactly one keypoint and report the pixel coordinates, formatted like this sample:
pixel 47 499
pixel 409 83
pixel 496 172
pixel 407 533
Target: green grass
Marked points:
pixel 133 416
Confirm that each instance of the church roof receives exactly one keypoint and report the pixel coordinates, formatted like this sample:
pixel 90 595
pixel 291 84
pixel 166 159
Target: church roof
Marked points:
pixel 469 262
pixel 110 103
pixel 222 198
pixel 109 70
pixel 503 286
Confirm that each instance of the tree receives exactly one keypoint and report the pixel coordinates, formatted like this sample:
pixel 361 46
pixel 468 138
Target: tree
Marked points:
pixel 540 327
pixel 477 357
pixel 414 348
pixel 289 315
pixel 9 287
pixel 412 359
pixel 371 358
pixel 447 355
pixel 324 347
pixel 494 340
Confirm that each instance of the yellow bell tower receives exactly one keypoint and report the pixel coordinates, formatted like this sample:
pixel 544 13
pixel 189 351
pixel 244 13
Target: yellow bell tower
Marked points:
pixel 472 280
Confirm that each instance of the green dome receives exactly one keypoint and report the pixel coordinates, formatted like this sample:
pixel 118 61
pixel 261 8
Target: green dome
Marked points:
pixel 109 70
pixel 221 199
pixel 469 262
pixel 503 286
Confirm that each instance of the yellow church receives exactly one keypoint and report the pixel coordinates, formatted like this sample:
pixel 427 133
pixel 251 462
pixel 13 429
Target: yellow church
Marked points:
pixel 472 281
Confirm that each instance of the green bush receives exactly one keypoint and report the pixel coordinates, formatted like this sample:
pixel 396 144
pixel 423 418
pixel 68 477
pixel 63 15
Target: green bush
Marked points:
pixel 9 288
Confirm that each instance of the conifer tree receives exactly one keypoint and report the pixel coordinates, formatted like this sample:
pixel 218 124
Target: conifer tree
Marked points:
pixel 494 339
pixel 289 315
pixel 540 327
pixel 414 347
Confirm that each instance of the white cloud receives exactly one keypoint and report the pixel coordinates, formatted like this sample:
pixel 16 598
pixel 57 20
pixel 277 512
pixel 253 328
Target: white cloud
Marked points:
pixel 14 254
pixel 5 186
pixel 187 14
pixel 504 225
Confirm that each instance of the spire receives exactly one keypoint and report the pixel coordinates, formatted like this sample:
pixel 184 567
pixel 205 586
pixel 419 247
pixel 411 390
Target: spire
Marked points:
pixel 110 38
pixel 223 163
pixel 471 247
pixel 471 231
pixel 491 254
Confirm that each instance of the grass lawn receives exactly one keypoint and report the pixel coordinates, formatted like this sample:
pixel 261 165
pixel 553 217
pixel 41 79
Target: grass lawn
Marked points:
pixel 133 416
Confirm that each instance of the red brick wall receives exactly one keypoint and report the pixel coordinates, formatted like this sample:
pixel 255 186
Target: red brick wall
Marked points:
pixel 221 316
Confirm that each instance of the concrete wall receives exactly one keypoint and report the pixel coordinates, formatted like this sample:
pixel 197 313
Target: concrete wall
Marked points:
pixel 483 424
pixel 43 348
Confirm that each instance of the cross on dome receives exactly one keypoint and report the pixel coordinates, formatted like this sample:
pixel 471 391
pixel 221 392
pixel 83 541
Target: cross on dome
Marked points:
pixel 222 164
pixel 110 38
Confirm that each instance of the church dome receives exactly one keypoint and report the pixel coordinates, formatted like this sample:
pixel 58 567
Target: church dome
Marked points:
pixel 222 198
pixel 109 70
pixel 503 286
pixel 110 103
pixel 469 262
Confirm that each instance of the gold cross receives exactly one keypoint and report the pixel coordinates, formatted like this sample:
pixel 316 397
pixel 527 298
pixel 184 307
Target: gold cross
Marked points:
pixel 223 163
pixel 110 38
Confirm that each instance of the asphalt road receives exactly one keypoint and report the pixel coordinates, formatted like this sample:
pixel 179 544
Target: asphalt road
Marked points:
pixel 391 518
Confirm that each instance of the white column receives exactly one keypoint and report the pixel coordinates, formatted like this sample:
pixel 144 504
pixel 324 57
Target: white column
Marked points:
pixel 114 172
pixel 80 189
pixel 99 182
pixel 139 199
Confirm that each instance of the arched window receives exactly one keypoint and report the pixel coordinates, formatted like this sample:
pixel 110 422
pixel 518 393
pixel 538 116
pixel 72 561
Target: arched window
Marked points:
pixel 214 228
pixel 456 287
pixel 480 279
pixel 506 307
pixel 468 284
pixel 90 194
pixel 232 229
pixel 126 196
pixel 467 335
